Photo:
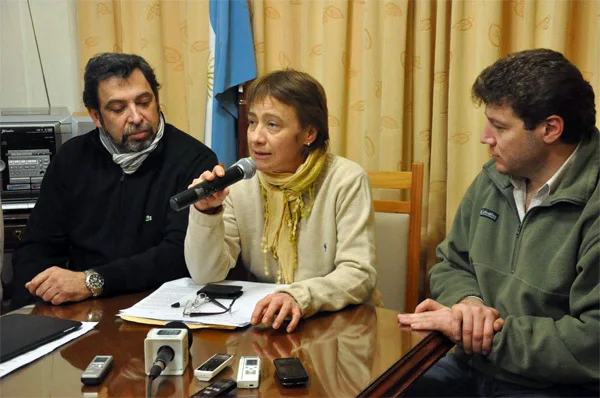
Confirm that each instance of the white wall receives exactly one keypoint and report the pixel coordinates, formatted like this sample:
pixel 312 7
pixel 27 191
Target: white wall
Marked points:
pixel 21 83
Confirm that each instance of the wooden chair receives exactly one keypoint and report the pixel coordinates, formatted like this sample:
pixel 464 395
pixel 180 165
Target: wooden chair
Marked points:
pixel 398 273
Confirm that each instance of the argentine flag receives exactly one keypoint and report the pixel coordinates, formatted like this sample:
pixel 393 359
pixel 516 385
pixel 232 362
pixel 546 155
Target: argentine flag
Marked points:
pixel 232 62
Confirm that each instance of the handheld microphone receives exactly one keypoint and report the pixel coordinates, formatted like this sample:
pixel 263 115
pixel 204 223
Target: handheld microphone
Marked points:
pixel 166 349
pixel 243 169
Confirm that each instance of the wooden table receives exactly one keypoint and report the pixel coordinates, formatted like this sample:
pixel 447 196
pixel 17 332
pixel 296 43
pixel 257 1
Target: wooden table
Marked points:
pixel 357 351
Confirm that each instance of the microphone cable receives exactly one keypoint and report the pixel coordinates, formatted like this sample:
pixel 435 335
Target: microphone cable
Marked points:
pixel 149 387
pixel 165 356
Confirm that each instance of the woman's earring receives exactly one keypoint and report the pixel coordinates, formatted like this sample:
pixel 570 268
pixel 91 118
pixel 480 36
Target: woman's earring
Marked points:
pixel 308 144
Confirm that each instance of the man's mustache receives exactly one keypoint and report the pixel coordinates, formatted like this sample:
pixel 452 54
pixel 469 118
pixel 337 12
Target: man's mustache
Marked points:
pixel 138 129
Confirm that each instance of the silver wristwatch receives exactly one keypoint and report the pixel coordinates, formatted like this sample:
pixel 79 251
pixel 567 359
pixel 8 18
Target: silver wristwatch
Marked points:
pixel 94 281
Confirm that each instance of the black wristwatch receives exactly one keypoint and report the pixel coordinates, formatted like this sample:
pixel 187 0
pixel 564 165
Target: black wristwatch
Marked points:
pixel 94 281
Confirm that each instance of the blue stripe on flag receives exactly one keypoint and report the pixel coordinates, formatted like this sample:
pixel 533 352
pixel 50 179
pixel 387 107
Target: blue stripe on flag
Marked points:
pixel 235 63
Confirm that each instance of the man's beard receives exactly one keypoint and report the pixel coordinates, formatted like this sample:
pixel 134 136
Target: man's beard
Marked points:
pixel 126 145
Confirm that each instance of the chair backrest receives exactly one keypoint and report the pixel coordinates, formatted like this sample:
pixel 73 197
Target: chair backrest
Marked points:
pixel 401 276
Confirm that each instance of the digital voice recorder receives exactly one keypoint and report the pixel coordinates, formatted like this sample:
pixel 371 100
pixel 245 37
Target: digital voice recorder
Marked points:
pixel 96 370
pixel 248 375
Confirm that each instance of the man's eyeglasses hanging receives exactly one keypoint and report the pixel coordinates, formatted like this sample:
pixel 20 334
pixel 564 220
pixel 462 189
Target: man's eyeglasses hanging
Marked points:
pixel 194 307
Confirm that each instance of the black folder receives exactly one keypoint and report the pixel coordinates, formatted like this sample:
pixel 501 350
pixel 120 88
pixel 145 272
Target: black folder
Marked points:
pixel 20 333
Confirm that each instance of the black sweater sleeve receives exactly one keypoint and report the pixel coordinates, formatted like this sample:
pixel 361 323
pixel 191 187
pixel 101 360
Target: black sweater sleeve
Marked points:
pixel 163 262
pixel 45 240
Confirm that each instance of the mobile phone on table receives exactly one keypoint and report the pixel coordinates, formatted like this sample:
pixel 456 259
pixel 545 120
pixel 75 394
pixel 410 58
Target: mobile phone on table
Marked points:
pixel 290 372
pixel 212 366
pixel 215 291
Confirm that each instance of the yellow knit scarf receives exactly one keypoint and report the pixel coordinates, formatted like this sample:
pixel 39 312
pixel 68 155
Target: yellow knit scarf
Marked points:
pixel 287 198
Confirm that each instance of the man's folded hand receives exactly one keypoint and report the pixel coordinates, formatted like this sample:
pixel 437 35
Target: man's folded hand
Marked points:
pixel 58 285
pixel 470 324
pixel 429 315
pixel 475 324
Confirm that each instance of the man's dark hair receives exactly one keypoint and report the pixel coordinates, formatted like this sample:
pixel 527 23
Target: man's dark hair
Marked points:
pixel 536 84
pixel 106 65
pixel 300 91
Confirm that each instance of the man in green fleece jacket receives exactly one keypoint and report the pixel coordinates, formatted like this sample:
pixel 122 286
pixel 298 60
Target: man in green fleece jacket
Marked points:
pixel 517 285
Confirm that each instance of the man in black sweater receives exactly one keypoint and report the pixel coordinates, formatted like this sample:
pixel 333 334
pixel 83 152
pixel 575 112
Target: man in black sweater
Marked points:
pixel 102 225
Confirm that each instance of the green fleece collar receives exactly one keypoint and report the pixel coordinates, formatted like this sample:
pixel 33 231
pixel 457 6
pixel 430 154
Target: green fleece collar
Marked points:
pixel 577 183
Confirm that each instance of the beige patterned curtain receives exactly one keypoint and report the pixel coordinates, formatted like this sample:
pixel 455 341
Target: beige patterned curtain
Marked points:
pixel 397 73
pixel 171 35
pixel 398 76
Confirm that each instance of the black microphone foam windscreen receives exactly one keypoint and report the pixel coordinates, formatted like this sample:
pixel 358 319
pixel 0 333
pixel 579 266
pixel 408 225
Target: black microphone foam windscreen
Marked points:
pixel 181 325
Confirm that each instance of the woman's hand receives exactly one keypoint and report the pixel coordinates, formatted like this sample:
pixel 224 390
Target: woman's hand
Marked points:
pixel 274 309
pixel 216 199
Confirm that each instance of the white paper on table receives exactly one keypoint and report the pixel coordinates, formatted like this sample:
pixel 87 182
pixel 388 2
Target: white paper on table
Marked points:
pixel 28 357
pixel 158 304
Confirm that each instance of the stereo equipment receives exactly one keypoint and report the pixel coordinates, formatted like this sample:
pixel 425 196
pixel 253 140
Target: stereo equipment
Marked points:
pixel 29 140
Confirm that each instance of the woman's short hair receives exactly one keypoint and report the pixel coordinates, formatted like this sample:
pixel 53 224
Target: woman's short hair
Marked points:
pixel 300 91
